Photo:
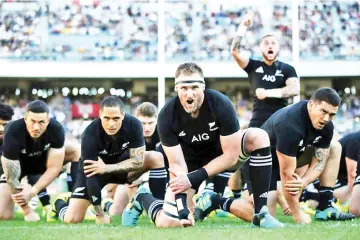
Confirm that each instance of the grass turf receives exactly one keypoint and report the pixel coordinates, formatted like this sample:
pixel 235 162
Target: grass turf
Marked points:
pixel 211 228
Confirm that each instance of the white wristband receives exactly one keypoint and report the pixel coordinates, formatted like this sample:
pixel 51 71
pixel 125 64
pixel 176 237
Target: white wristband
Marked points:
pixel 241 31
pixel 274 93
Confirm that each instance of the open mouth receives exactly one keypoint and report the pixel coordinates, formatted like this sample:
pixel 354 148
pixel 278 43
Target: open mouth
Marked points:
pixel 270 52
pixel 190 101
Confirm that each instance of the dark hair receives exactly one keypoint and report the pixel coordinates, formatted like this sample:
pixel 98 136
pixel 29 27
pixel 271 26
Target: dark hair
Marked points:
pixel 328 95
pixel 188 69
pixel 6 112
pixel 146 109
pixel 112 101
pixel 37 106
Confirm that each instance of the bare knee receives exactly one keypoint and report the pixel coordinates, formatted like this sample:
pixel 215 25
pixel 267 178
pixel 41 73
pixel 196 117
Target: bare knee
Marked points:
pixel 153 159
pixel 73 219
pixel 256 138
pixel 6 215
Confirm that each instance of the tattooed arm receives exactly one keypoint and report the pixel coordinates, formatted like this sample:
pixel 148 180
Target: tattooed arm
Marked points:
pixel 132 164
pixel 317 165
pixel 12 172
pixel 292 88
pixel 240 57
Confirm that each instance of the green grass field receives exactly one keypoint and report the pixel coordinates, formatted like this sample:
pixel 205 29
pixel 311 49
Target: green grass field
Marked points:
pixel 212 228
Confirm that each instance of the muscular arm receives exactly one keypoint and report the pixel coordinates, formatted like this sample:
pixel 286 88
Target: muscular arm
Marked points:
pixel 231 147
pixel 292 88
pixel 12 172
pixel 132 164
pixel 176 159
pixel 241 58
pixel 317 165
pixel 53 167
pixel 287 166
pixel 351 166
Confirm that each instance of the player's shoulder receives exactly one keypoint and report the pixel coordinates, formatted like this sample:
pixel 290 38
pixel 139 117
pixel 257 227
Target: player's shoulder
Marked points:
pixel 283 65
pixel 130 121
pixel 55 126
pixel 93 127
pixel 292 115
pixel 216 96
pixel 15 127
pixel 169 107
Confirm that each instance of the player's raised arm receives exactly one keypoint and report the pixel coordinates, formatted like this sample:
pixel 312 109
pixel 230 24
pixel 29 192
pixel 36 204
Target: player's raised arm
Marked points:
pixel 241 58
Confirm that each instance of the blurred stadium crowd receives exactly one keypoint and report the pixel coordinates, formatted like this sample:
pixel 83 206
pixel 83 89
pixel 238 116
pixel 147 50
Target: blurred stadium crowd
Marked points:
pixel 107 30
pixel 202 30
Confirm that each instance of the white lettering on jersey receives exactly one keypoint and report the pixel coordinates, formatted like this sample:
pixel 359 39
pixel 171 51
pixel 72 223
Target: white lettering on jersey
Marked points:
pixel 278 73
pixel 200 137
pixel 259 70
pixel 182 133
pixel 212 126
pixel 269 78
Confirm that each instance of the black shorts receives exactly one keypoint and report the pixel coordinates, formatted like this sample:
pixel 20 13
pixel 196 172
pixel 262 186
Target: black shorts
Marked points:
pixel 340 182
pixel 80 187
pixel 161 150
pixel 357 178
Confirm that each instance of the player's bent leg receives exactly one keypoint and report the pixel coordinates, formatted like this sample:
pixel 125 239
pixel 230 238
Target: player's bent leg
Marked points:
pixel 354 207
pixel 325 210
pixel 6 203
pixel 76 210
pixel 272 202
pixel 120 201
pixel 154 161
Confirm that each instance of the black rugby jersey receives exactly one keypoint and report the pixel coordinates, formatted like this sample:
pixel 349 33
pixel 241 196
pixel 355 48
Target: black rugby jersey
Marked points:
pixel 154 142
pixel 291 131
pixel 268 77
pixel 199 137
pixel 111 149
pixel 32 153
pixel 350 149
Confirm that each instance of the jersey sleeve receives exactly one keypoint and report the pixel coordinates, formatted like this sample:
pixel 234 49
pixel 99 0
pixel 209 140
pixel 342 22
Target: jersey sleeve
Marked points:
pixel 137 133
pixel 167 135
pixel 288 139
pixel 11 147
pixel 328 133
pixel 57 136
pixel 226 116
pixel 251 66
pixel 89 144
pixel 290 72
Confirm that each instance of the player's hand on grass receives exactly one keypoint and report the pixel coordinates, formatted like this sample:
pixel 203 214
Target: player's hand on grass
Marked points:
pixel 287 210
pixel 261 93
pixel 92 168
pixel 295 186
pixel 24 196
pixel 189 222
pixel 104 219
pixel 180 183
pixel 302 218
pixel 247 19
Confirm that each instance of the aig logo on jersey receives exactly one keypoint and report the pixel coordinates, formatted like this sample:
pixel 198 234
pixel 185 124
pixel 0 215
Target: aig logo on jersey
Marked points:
pixel 200 137
pixel 271 78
